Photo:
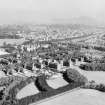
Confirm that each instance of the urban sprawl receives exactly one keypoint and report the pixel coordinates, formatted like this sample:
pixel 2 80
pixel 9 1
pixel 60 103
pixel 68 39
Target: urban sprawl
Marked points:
pixel 42 53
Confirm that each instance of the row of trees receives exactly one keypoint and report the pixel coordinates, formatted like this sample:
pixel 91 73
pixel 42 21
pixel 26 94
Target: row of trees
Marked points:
pixel 93 66
pixel 93 85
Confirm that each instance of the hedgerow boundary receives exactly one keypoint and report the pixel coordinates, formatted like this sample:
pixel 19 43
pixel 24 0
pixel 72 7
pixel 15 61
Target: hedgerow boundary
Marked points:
pixel 47 94
pixel 10 99
pixel 14 88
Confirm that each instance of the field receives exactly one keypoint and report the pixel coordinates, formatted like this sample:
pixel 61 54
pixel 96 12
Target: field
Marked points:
pixel 78 97
pixel 82 96
pixel 28 90
pixel 12 41
pixel 31 89
pixel 97 76
pixel 57 82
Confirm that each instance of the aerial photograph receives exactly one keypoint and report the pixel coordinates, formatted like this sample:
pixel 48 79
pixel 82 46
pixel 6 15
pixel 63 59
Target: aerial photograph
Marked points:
pixel 52 52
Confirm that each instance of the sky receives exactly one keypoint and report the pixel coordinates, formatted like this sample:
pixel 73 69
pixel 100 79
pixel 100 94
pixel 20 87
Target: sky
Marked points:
pixel 49 11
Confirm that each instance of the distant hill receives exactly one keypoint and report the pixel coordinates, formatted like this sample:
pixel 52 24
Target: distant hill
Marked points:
pixel 79 20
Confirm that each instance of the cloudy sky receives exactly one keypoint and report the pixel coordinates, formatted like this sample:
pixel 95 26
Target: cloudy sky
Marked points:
pixel 46 11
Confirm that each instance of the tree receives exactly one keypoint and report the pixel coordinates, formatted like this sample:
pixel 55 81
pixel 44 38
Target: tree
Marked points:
pixel 72 75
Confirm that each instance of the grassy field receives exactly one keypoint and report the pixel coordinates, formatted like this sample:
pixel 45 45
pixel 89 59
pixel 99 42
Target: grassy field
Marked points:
pixel 31 89
pixel 28 90
pixel 78 97
pixel 12 41
pixel 97 76
pixel 57 82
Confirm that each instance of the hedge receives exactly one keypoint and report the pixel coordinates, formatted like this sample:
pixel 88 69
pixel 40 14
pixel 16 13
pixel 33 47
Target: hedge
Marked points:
pixel 42 84
pixel 48 93
pixel 99 48
pixel 45 91
pixel 93 67
pixel 43 95
pixel 93 85
pixel 12 90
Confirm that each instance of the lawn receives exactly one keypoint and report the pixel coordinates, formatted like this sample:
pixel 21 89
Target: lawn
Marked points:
pixel 78 97
pixel 97 76
pixel 57 82
pixel 28 90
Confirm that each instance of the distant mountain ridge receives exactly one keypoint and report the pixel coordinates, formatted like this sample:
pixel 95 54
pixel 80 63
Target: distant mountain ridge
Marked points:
pixel 79 20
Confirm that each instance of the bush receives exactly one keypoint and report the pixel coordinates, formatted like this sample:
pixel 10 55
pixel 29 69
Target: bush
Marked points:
pixel 72 75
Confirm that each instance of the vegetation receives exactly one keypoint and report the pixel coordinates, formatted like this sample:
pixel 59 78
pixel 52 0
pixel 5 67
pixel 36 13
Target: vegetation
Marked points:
pixel 59 51
pixel 8 80
pixel 93 85
pixel 47 94
pixel 99 48
pixel 8 83
pixel 12 90
pixel 93 66
pixel 42 84
pixel 45 90
pixel 73 76
pixel 9 37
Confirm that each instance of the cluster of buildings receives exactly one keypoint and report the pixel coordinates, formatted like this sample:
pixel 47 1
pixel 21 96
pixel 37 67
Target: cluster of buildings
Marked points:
pixel 37 66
